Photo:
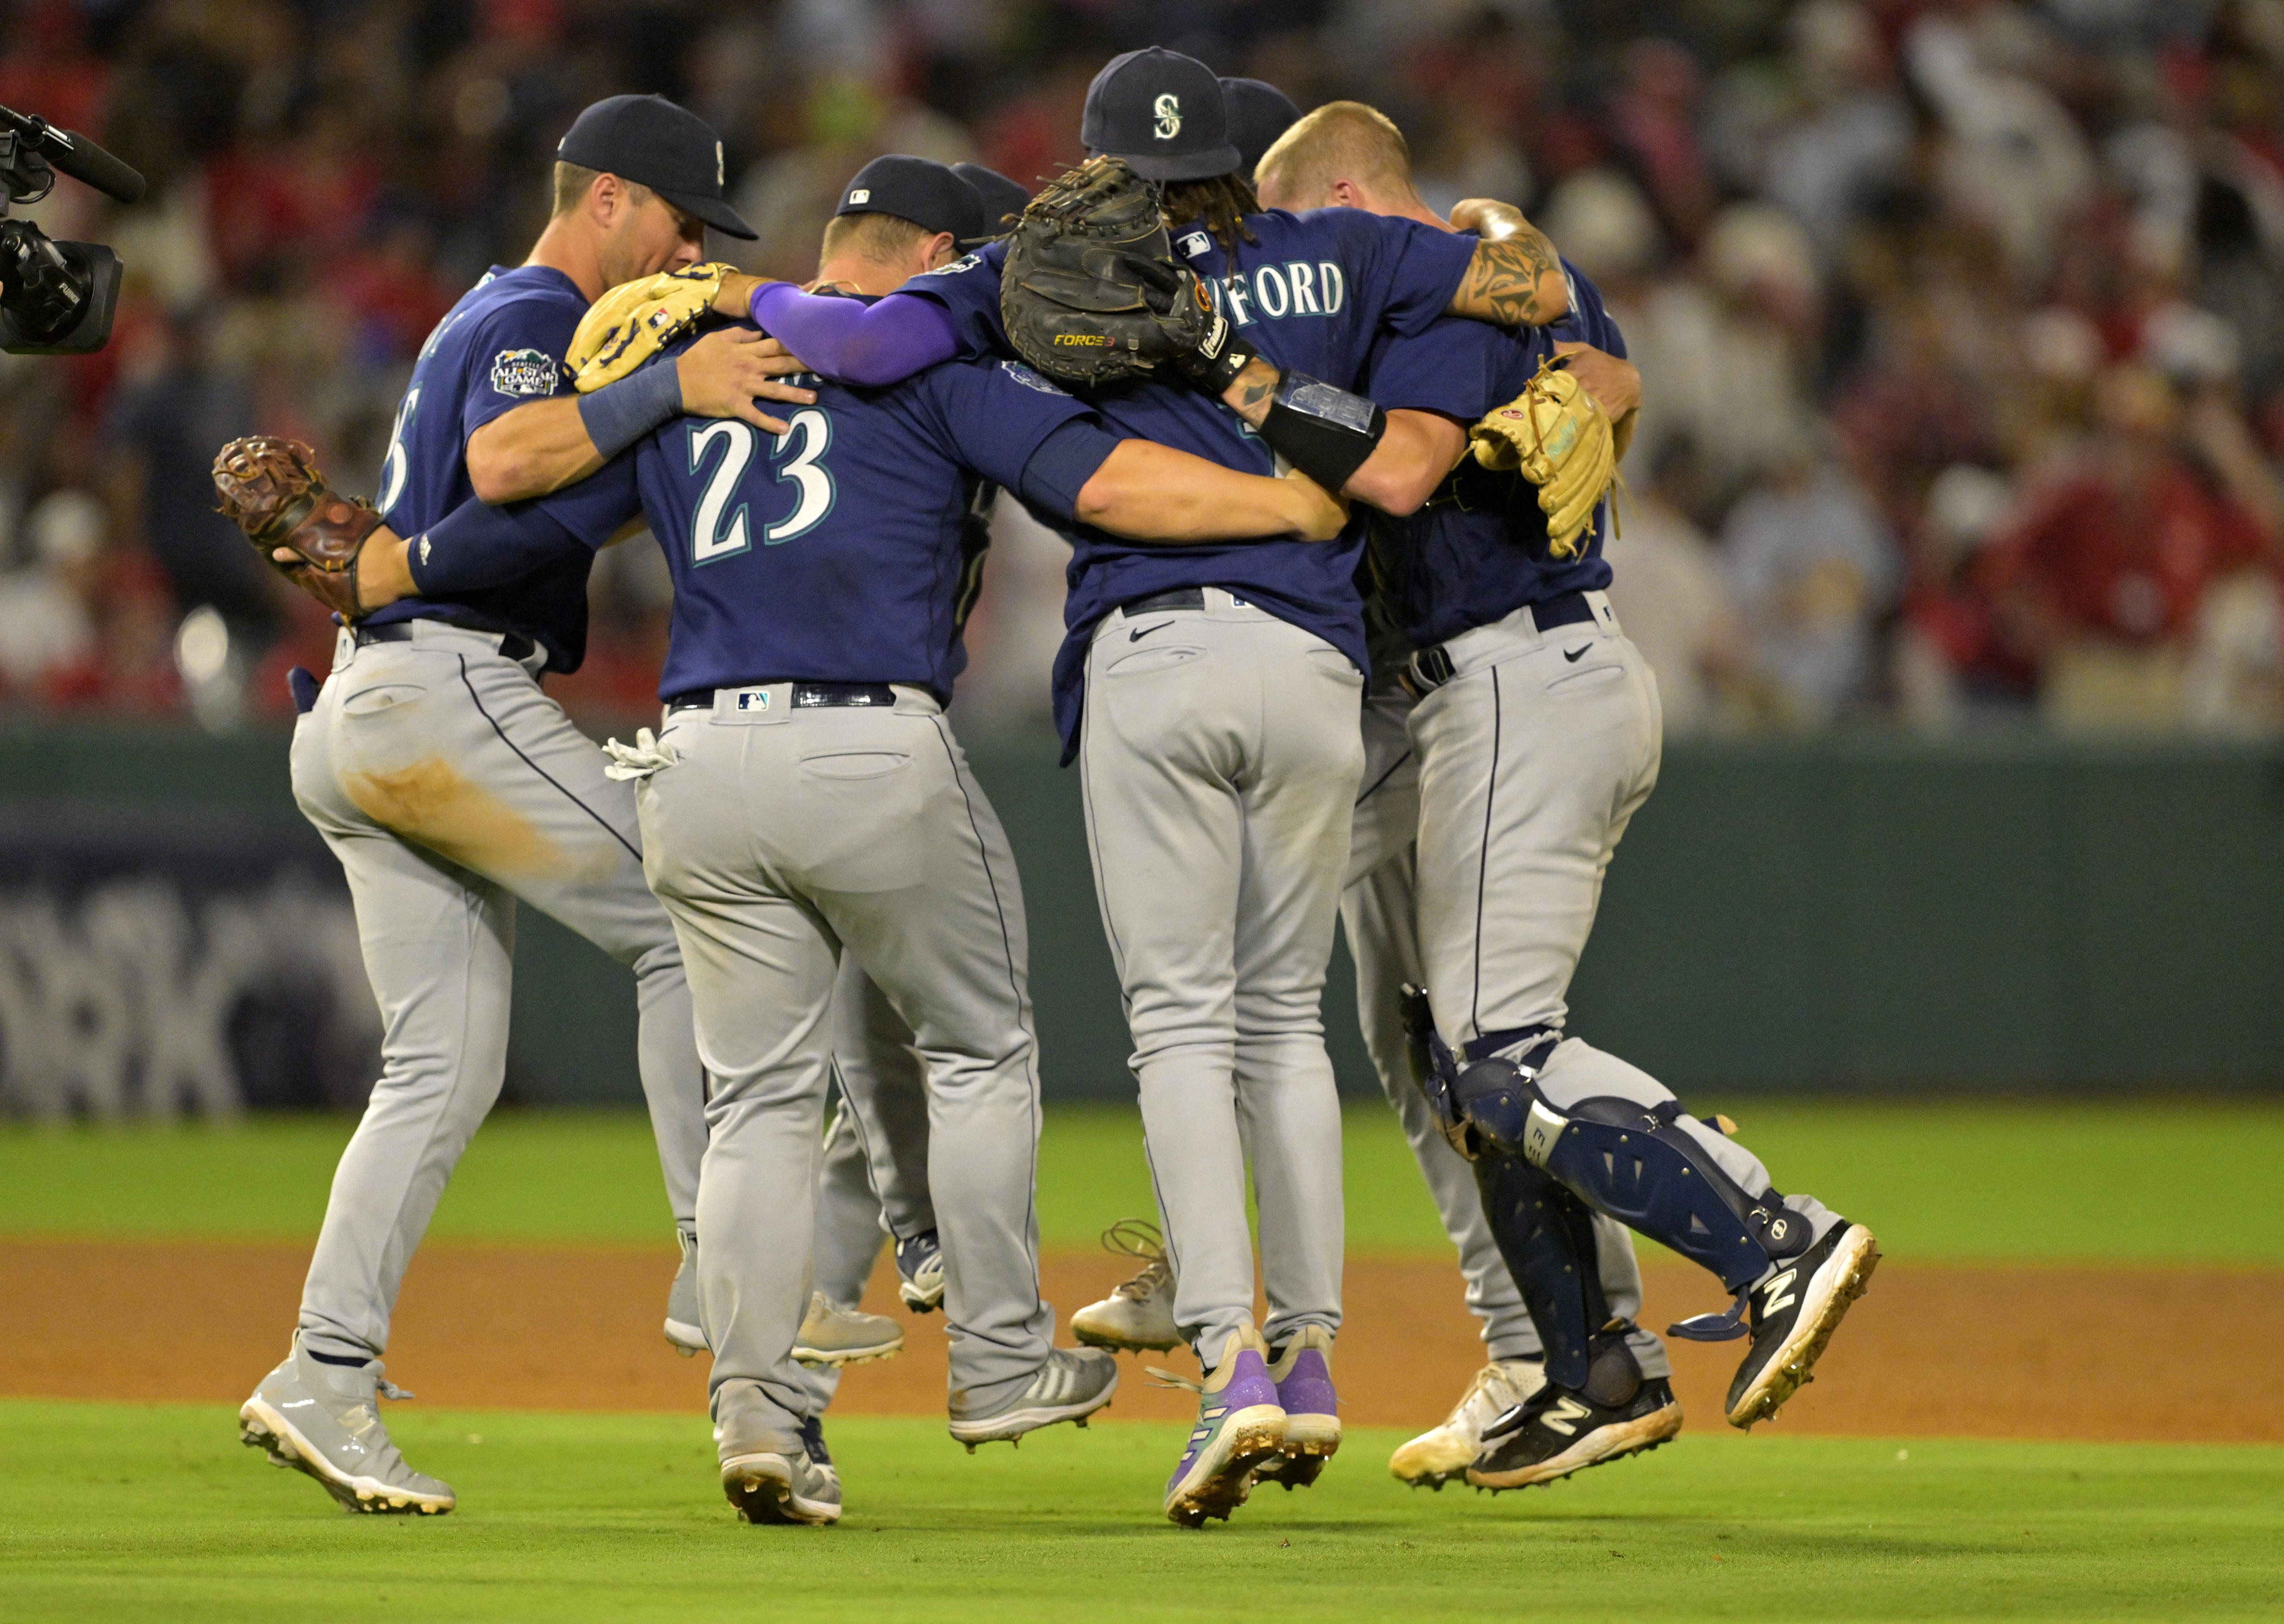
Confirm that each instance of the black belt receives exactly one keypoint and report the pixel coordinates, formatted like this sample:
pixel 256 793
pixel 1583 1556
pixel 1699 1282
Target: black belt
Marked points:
pixel 806 696
pixel 1432 668
pixel 514 644
pixel 1180 598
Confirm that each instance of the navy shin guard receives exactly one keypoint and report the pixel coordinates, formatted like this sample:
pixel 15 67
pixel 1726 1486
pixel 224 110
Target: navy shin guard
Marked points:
pixel 1547 1235
pixel 1637 1164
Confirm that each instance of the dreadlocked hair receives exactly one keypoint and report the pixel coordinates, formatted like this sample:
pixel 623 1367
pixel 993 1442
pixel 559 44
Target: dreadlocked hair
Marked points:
pixel 1223 203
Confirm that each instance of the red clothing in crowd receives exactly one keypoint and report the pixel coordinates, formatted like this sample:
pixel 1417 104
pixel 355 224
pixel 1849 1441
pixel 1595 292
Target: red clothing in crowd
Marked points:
pixel 2126 560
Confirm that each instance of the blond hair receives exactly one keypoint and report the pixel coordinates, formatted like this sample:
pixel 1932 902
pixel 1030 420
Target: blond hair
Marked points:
pixel 883 239
pixel 1342 140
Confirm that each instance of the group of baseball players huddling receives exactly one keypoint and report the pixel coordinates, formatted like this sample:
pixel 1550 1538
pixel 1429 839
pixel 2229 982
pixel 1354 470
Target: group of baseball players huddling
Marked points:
pixel 1418 712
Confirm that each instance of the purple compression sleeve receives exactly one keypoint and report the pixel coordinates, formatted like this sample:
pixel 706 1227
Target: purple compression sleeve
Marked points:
pixel 853 342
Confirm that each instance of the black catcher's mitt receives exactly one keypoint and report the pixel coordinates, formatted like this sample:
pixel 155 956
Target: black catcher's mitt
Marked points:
pixel 1090 293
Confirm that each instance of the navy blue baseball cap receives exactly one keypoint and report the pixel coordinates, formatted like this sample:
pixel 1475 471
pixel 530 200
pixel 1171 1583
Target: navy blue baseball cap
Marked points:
pixel 920 189
pixel 1163 113
pixel 1001 196
pixel 650 141
pixel 1258 114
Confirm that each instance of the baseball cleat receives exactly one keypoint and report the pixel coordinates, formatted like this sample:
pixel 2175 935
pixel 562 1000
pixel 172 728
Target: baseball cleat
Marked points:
pixel 919 1272
pixel 323 1420
pixel 832 1335
pixel 1241 1425
pixel 1557 1432
pixel 1794 1312
pixel 1302 1370
pixel 1139 1314
pixel 683 1331
pixel 782 1486
pixel 1442 1453
pixel 1072 1385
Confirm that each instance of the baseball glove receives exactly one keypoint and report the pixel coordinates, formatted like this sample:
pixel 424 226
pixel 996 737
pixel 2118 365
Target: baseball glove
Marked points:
pixel 636 320
pixel 1558 437
pixel 1091 293
pixel 271 489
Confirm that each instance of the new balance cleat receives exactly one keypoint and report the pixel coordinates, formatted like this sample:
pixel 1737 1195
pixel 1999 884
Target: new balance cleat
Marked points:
pixel 1072 1385
pixel 323 1420
pixel 1794 1312
pixel 832 1335
pixel 919 1272
pixel 1139 1314
pixel 1445 1452
pixel 1240 1427
pixel 1556 1432
pixel 1302 1371
pixel 684 1332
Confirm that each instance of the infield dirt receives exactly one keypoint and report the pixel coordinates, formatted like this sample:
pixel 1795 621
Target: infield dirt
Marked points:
pixel 1988 1352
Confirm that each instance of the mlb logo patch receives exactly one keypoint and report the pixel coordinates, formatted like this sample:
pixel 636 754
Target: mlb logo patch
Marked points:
pixel 754 699
pixel 862 195
pixel 1193 244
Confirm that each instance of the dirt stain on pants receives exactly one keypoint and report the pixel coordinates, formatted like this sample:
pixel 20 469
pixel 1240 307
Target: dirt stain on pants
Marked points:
pixel 430 802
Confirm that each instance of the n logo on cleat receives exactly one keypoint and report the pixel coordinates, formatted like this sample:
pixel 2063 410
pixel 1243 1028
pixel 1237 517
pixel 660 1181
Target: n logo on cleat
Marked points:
pixel 1771 1299
pixel 1565 1417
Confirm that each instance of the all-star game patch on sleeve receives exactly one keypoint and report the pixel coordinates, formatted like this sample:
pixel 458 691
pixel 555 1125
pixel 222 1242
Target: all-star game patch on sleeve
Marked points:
pixel 518 357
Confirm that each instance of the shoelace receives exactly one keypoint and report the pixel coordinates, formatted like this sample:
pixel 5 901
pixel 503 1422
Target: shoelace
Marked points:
pixel 1134 1237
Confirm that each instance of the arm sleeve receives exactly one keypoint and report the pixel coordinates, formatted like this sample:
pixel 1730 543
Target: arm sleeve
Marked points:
pixel 1065 461
pixel 476 546
pixel 518 357
pixel 853 342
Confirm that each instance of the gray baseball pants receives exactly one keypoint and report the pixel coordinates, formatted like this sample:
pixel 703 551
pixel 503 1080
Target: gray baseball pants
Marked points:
pixel 449 786
pixel 779 840
pixel 1219 761
pixel 871 1184
pixel 1533 758
pixel 1377 910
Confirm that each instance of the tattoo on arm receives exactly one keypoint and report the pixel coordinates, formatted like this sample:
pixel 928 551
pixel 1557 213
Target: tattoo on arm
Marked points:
pixel 1515 282
pixel 1249 392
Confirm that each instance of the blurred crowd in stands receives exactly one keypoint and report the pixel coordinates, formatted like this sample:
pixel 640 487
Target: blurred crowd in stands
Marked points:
pixel 1961 321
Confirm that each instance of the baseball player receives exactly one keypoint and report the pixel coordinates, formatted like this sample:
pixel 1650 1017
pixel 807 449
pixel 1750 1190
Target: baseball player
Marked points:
pixel 1376 906
pixel 450 786
pixel 1536 737
pixel 787 817
pixel 1219 763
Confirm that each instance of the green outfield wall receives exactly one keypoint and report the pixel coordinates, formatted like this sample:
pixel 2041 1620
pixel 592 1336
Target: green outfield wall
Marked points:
pixel 1851 912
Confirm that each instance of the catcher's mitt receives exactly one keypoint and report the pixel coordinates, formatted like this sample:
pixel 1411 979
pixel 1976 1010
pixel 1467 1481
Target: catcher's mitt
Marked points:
pixel 270 488
pixel 1090 293
pixel 636 320
pixel 1557 436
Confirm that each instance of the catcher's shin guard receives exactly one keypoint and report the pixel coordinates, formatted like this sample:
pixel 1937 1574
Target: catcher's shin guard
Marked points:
pixel 1636 1164
pixel 1546 1236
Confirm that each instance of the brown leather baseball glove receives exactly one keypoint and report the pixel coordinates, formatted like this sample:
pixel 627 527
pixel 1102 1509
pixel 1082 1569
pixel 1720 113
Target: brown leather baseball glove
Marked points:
pixel 271 489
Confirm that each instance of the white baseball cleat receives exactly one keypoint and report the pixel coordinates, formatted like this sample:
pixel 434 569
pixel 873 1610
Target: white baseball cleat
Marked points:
pixel 1072 1385
pixel 683 1332
pixel 1139 1314
pixel 832 1335
pixel 323 1420
pixel 1442 1453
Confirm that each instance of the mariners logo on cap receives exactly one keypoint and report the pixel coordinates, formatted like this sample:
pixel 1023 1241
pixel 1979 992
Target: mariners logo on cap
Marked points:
pixel 1168 109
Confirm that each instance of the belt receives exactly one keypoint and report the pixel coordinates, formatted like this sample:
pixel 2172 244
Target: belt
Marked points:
pixel 806 696
pixel 514 644
pixel 1179 597
pixel 1431 666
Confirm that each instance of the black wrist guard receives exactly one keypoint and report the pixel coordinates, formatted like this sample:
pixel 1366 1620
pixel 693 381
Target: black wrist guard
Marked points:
pixel 1325 432
pixel 1219 357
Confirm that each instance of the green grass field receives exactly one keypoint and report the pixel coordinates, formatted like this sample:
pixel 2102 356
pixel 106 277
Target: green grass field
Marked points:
pixel 152 1513
pixel 2006 1182
pixel 120 1513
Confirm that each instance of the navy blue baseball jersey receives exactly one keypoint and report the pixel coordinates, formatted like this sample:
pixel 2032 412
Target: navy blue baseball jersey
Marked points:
pixel 502 345
pixel 1312 295
pixel 1477 552
pixel 833 552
